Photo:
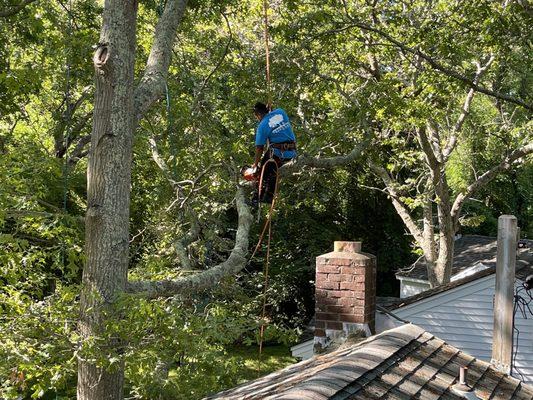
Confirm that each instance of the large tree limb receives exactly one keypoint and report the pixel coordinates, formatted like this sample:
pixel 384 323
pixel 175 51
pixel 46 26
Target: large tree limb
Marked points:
pixel 437 65
pixel 8 12
pixel 237 258
pixel 325 162
pixel 153 82
pixel 204 280
pixel 487 177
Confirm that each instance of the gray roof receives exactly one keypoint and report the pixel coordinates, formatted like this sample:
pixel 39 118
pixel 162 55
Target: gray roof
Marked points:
pixel 470 250
pixel 401 363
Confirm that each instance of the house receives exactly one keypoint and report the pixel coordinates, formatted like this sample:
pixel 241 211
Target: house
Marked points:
pixel 461 313
pixel 472 254
pixel 402 363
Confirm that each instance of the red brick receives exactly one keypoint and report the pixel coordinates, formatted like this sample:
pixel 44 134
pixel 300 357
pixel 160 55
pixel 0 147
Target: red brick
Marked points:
pixel 336 293
pixel 329 285
pixel 320 307
pixel 352 286
pixel 351 301
pixel 327 300
pixel 329 269
pixel 334 325
pixel 320 332
pixel 347 277
pixel 335 277
pixel 321 277
pixel 339 309
pixel 327 316
pixel 339 261
pixel 352 318
pixel 353 270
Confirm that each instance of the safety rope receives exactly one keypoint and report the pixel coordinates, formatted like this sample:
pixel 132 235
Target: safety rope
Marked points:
pixel 268 222
pixel 68 105
pixel 173 147
pixel 68 119
pixel 267 225
pixel 267 55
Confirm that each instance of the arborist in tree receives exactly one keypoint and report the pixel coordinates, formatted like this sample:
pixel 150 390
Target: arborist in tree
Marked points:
pixel 275 144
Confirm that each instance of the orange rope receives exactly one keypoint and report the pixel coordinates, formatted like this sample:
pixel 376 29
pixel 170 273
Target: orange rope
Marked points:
pixel 268 224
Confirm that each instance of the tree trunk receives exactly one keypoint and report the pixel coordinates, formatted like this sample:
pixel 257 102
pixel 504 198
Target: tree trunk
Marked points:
pixel 108 193
pixel 443 268
pixel 428 245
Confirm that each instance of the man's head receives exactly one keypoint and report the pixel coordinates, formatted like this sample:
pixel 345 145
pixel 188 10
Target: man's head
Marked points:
pixel 260 110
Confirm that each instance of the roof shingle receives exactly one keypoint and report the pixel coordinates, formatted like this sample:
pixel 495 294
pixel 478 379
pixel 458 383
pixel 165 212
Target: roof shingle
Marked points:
pixel 402 363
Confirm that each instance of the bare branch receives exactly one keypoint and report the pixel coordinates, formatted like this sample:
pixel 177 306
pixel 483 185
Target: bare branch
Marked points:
pixel 152 84
pixel 486 177
pixel 161 163
pixel 204 280
pixel 8 12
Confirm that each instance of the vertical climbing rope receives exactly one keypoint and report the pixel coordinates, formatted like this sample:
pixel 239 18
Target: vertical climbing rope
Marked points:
pixel 159 10
pixel 68 117
pixel 68 111
pixel 267 225
pixel 267 55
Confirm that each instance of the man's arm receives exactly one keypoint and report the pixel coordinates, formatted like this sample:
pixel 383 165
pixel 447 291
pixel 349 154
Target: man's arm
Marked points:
pixel 258 155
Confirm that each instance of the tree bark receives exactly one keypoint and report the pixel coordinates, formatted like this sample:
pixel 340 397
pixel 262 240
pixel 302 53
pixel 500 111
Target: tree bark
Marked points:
pixel 108 192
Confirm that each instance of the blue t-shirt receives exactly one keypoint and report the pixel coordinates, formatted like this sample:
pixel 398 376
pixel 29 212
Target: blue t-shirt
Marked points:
pixel 276 127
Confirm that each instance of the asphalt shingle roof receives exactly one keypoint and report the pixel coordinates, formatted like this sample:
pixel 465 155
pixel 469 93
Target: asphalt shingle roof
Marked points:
pixel 402 363
pixel 470 250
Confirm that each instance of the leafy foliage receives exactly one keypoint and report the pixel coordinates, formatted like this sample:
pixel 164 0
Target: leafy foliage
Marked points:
pixel 324 76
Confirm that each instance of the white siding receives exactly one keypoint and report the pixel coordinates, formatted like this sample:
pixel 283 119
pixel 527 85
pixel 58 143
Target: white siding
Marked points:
pixel 463 317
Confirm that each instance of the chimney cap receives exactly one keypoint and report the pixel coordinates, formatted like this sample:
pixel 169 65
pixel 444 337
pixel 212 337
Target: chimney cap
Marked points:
pixel 347 247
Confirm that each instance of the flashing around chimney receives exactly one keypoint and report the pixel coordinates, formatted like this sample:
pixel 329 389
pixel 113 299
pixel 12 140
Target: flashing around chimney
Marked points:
pixel 345 295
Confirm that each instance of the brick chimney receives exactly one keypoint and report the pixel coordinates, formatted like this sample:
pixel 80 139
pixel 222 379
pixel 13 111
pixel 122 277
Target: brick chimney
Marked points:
pixel 345 293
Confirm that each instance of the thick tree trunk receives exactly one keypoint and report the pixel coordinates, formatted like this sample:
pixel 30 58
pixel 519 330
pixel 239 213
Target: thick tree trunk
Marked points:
pixel 428 246
pixel 108 192
pixel 443 268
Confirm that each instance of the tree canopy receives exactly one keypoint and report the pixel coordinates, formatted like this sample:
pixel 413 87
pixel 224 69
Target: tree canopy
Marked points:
pixel 413 123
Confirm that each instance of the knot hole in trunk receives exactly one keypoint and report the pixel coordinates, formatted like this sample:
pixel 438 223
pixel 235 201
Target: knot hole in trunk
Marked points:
pixel 101 55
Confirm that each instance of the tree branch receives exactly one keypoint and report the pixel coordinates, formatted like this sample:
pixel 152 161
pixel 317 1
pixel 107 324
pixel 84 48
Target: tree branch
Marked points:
pixel 8 12
pixel 325 162
pixel 441 67
pixel 452 140
pixel 401 208
pixel 486 178
pixel 152 84
pixel 204 280
pixel 79 150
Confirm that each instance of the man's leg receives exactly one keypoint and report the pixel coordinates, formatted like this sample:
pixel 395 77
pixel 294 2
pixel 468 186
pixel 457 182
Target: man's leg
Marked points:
pixel 270 180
